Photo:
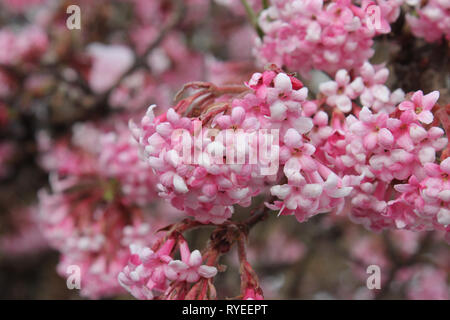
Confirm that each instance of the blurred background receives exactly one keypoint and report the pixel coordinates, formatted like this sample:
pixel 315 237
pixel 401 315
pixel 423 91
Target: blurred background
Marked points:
pixel 132 53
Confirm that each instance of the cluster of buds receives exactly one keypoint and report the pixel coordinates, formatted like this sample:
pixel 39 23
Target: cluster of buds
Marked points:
pixel 154 273
pixel 208 184
pixel 335 35
pixel 94 210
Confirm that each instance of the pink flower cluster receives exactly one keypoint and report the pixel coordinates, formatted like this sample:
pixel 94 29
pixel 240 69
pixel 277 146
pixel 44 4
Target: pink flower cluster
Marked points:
pixel 262 141
pixel 207 188
pixel 93 212
pixel 370 153
pixel 379 153
pixel 430 20
pixel 154 273
pixel 305 35
pixel 368 84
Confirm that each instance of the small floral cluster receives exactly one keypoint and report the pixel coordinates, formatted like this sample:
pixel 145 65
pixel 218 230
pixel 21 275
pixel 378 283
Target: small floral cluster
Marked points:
pixel 339 34
pixel 336 35
pixel 368 84
pixel 154 273
pixel 391 161
pixel 208 190
pixel 370 153
pixel 431 20
pixel 93 213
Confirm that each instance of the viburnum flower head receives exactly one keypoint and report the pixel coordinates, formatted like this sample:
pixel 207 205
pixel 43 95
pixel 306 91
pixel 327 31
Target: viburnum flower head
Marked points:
pixel 208 190
pixel 150 273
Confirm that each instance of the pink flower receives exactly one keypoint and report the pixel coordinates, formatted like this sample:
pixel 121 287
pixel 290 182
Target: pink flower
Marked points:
pixel 376 95
pixel 340 92
pixel 190 267
pixel 373 129
pixel 428 283
pixel 144 275
pixel 92 212
pixel 24 46
pixel 421 105
pixel 149 273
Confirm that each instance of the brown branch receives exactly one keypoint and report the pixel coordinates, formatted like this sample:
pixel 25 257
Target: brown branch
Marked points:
pixel 259 216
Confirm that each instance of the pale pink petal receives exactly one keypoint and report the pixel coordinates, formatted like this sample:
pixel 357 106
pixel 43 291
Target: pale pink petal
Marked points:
pixel 207 271
pixel 429 100
pixel 195 259
pixel 425 116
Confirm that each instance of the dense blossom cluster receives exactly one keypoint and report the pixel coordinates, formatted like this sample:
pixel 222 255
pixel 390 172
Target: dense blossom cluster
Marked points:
pixel 370 153
pixel 339 34
pixel 125 184
pixel 391 159
pixel 334 36
pixel 367 84
pixel 208 187
pixel 150 273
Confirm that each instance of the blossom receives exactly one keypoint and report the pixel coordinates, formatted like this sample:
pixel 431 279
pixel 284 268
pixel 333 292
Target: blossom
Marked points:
pixel 420 106
pixel 340 92
pixel 146 270
pixel 27 45
pixel 376 95
pixel 380 149
pixel 431 21
pixel 333 36
pixel 207 187
pixel 154 273
pixel 190 267
pixel 95 176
